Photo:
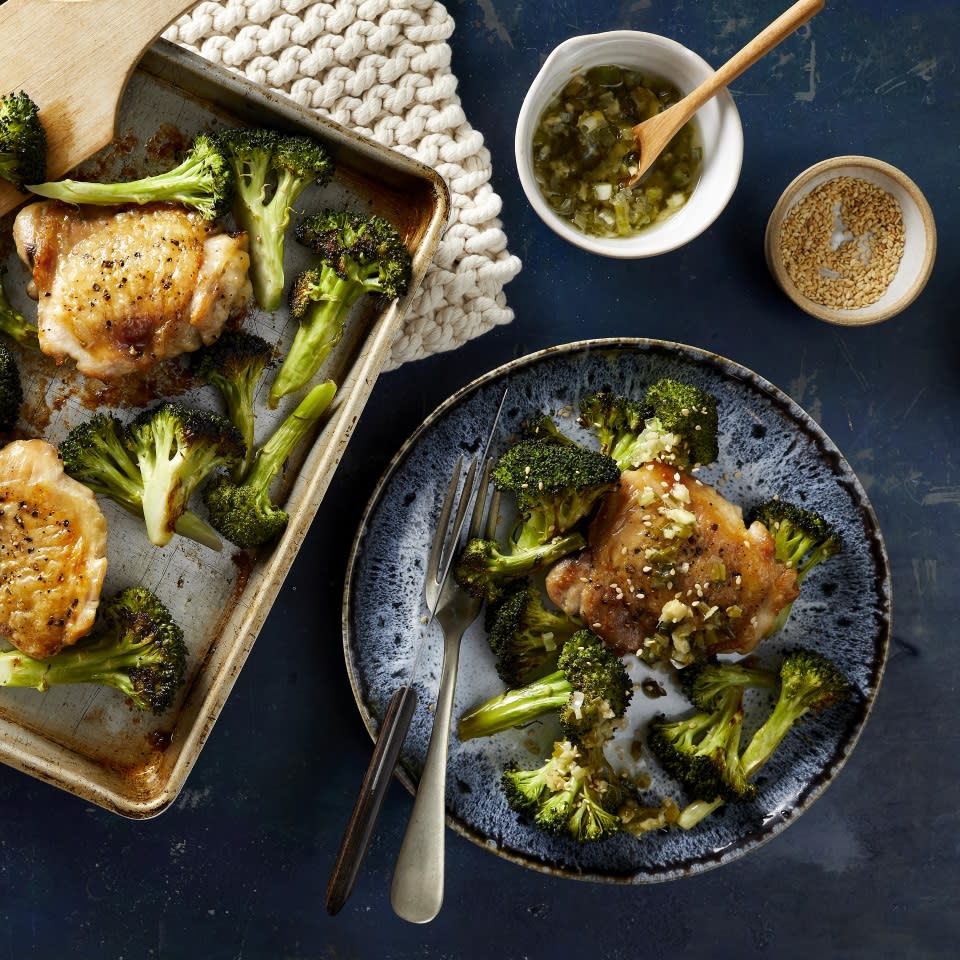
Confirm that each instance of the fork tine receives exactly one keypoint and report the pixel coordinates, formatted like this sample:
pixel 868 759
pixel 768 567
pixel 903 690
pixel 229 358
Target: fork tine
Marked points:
pixel 493 515
pixel 451 542
pixel 431 580
pixel 480 504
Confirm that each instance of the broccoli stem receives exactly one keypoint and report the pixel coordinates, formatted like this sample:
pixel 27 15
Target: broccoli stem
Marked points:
pixel 251 215
pixel 271 456
pixel 266 239
pixel 699 810
pixel 80 664
pixel 177 185
pixel 189 525
pixel 785 714
pixel 320 331
pixel 71 665
pixel 513 708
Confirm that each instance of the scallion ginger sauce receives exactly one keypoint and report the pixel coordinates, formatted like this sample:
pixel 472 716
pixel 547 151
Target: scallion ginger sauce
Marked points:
pixel 583 151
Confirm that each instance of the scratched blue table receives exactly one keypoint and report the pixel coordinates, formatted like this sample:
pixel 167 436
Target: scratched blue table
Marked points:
pixel 238 866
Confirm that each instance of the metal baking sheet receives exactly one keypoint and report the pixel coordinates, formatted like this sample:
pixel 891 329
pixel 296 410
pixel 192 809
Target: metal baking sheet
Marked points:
pixel 89 740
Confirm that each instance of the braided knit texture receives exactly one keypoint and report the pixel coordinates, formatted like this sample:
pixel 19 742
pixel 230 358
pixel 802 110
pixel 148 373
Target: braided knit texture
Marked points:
pixel 382 68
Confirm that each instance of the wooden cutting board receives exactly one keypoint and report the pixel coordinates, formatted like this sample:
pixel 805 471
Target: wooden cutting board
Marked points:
pixel 74 58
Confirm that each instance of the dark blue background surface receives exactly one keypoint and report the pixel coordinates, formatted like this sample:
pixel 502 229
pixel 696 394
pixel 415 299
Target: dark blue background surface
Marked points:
pixel 237 868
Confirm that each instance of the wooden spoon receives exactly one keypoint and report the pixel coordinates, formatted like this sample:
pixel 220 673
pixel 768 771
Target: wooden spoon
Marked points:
pixel 73 58
pixel 653 135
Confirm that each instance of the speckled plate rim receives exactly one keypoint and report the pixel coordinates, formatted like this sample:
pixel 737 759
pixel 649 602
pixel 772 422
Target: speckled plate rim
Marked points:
pixel 726 367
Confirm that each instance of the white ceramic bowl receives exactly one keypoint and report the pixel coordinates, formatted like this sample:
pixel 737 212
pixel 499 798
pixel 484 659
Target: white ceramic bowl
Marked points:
pixel 920 238
pixel 720 134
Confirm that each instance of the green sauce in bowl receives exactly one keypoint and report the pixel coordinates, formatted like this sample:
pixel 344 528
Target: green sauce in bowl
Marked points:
pixel 583 150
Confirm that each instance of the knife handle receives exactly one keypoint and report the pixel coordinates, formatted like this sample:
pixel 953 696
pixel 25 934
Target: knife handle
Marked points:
pixel 366 809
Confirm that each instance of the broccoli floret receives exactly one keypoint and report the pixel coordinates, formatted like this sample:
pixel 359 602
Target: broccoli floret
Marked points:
pixel 802 540
pixel 270 170
pixel 23 141
pixel 555 486
pixel 359 254
pixel 589 688
pixel 98 454
pixel 11 389
pixel 203 181
pixel 136 647
pixel 176 448
pixel 525 636
pixel 702 751
pixel 244 513
pixel 676 423
pixel 542 428
pixel 618 422
pixel 705 684
pixel 234 364
pixel 485 569
pixel 575 793
pixel 809 681
pixel 14 324
pixel 688 412
pixel 802 537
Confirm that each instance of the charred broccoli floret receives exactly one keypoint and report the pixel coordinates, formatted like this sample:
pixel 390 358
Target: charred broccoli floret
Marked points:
pixel 524 635
pixel 359 254
pixel 98 454
pixel 203 181
pixel 702 751
pixel 176 448
pixel 485 568
pixel 618 422
pixel 135 646
pixel 11 389
pixel 676 422
pixel 244 512
pixel 270 170
pixel 590 688
pixel 13 323
pixel 809 682
pixel 555 486
pixel 575 793
pixel 542 428
pixel 234 364
pixel 802 539
pixel 23 141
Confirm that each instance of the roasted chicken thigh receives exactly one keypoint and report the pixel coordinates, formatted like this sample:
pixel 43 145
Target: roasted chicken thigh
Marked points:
pixel 53 541
pixel 671 570
pixel 120 289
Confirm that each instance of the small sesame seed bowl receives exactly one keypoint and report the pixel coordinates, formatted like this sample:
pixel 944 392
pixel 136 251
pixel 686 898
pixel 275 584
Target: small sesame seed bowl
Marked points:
pixel 851 240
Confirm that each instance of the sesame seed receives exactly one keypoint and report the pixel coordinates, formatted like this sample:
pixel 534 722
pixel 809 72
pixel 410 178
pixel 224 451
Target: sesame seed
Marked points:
pixel 842 243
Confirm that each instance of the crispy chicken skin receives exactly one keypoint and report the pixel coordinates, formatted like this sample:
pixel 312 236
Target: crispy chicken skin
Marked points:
pixel 664 541
pixel 120 289
pixel 53 542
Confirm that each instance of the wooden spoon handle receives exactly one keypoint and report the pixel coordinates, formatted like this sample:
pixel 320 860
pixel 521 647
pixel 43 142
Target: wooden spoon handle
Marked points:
pixel 759 46
pixel 74 58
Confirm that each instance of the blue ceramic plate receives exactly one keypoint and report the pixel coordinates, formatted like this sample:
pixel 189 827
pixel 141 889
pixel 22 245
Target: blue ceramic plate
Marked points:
pixel 768 445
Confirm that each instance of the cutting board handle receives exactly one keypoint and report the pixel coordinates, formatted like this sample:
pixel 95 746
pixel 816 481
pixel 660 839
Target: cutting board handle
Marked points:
pixel 74 58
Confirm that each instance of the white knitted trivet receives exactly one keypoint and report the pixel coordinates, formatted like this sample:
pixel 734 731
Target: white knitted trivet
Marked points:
pixel 382 67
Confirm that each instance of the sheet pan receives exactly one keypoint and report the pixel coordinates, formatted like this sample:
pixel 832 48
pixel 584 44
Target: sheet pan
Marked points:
pixel 88 740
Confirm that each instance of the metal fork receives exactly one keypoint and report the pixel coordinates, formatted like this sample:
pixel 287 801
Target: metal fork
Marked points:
pixel 417 890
